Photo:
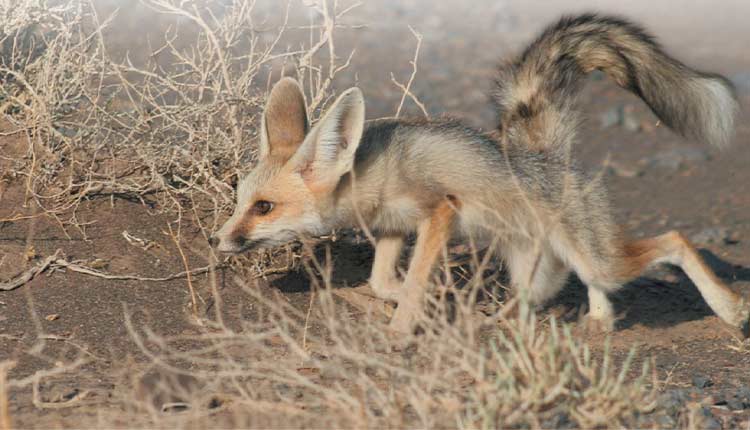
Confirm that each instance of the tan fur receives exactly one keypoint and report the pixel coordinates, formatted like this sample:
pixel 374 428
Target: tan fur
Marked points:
pixel 285 120
pixel 674 248
pixel 432 236
pixel 516 187
pixel 383 279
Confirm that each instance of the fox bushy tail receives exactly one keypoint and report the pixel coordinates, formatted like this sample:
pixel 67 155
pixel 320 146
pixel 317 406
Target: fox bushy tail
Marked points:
pixel 535 91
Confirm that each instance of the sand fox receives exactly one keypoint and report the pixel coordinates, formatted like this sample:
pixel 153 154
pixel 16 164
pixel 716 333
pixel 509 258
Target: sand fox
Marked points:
pixel 517 184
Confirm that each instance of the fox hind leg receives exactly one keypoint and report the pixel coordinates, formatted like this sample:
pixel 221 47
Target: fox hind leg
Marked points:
pixel 603 275
pixel 674 248
pixel 539 275
pixel 601 315
pixel 597 271
pixel 535 272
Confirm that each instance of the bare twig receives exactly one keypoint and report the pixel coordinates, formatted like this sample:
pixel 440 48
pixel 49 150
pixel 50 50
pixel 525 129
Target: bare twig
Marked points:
pixel 406 89
pixel 29 274
pixel 55 262
pixel 5 422
pixel 176 240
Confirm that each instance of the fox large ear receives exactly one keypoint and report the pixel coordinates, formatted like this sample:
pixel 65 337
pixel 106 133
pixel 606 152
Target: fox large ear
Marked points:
pixel 284 124
pixel 328 151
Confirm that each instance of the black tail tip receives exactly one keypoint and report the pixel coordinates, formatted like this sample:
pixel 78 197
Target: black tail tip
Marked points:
pixel 745 328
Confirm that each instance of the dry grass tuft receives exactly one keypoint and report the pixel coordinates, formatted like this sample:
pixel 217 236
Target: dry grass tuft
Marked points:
pixel 175 132
pixel 335 366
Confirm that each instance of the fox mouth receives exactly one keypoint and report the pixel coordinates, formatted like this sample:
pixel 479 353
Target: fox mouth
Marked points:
pixel 245 246
pixel 249 245
pixel 239 245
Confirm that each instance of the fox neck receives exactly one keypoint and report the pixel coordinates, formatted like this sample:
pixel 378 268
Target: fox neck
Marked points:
pixel 357 202
pixel 341 208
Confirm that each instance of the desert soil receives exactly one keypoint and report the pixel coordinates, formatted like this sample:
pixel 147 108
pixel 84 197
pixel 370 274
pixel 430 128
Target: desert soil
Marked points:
pixel 658 182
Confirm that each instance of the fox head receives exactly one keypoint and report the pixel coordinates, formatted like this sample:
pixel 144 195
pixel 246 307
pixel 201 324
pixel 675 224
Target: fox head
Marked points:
pixel 290 192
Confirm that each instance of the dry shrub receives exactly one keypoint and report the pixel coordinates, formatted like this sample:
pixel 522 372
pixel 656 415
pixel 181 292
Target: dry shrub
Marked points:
pixel 178 130
pixel 331 366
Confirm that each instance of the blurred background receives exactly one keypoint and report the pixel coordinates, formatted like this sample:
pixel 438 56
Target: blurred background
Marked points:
pixel 463 41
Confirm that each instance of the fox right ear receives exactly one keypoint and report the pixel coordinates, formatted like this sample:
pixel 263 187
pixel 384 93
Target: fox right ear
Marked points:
pixel 330 148
pixel 284 124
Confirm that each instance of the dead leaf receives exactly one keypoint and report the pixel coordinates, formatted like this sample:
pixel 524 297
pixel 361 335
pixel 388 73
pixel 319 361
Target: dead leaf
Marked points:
pixel 52 317
pixel 275 340
pixel 308 371
pixel 30 253
pixel 99 263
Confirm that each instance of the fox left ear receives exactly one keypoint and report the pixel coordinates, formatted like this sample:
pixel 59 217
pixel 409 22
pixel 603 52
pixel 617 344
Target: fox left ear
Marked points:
pixel 284 124
pixel 328 151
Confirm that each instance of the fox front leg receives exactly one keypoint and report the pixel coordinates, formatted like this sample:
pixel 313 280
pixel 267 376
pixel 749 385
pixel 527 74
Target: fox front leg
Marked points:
pixel 383 280
pixel 432 236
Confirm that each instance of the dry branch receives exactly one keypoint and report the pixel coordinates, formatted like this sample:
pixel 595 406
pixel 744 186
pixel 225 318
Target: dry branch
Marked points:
pixel 5 422
pixel 406 89
pixel 29 274
pixel 364 300
pixel 55 262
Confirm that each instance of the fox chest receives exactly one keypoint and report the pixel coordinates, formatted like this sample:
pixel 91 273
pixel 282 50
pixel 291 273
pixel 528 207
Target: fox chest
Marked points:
pixel 397 216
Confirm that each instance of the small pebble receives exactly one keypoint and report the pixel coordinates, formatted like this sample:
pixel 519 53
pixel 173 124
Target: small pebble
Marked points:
pixel 713 235
pixel 702 382
pixel 735 404
pixel 676 158
pixel 710 423
pixel 623 171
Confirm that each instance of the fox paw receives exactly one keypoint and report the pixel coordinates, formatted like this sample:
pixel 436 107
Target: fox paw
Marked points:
pixel 594 324
pixel 386 290
pixel 403 321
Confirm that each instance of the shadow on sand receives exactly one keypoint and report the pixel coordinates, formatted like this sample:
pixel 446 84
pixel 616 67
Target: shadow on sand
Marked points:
pixel 665 297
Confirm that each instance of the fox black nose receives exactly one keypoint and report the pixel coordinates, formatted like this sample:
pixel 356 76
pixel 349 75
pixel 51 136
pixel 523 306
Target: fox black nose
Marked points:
pixel 213 241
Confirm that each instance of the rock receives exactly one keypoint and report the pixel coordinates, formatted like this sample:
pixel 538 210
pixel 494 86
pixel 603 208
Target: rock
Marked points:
pixel 560 420
pixel 166 390
pixel 672 401
pixel 736 404
pixel 283 390
pixel 711 423
pixel 611 117
pixel 623 171
pixel 702 382
pixel 622 115
pixel 676 158
pixel 60 394
pixel 740 400
pixel 744 393
pixel 713 235
pixel 665 421
pixel 67 131
pixel 629 121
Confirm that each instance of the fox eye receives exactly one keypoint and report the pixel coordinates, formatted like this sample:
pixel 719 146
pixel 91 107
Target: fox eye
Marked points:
pixel 262 207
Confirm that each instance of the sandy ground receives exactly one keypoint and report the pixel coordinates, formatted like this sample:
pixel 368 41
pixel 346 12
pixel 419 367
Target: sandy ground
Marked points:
pixel 660 182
